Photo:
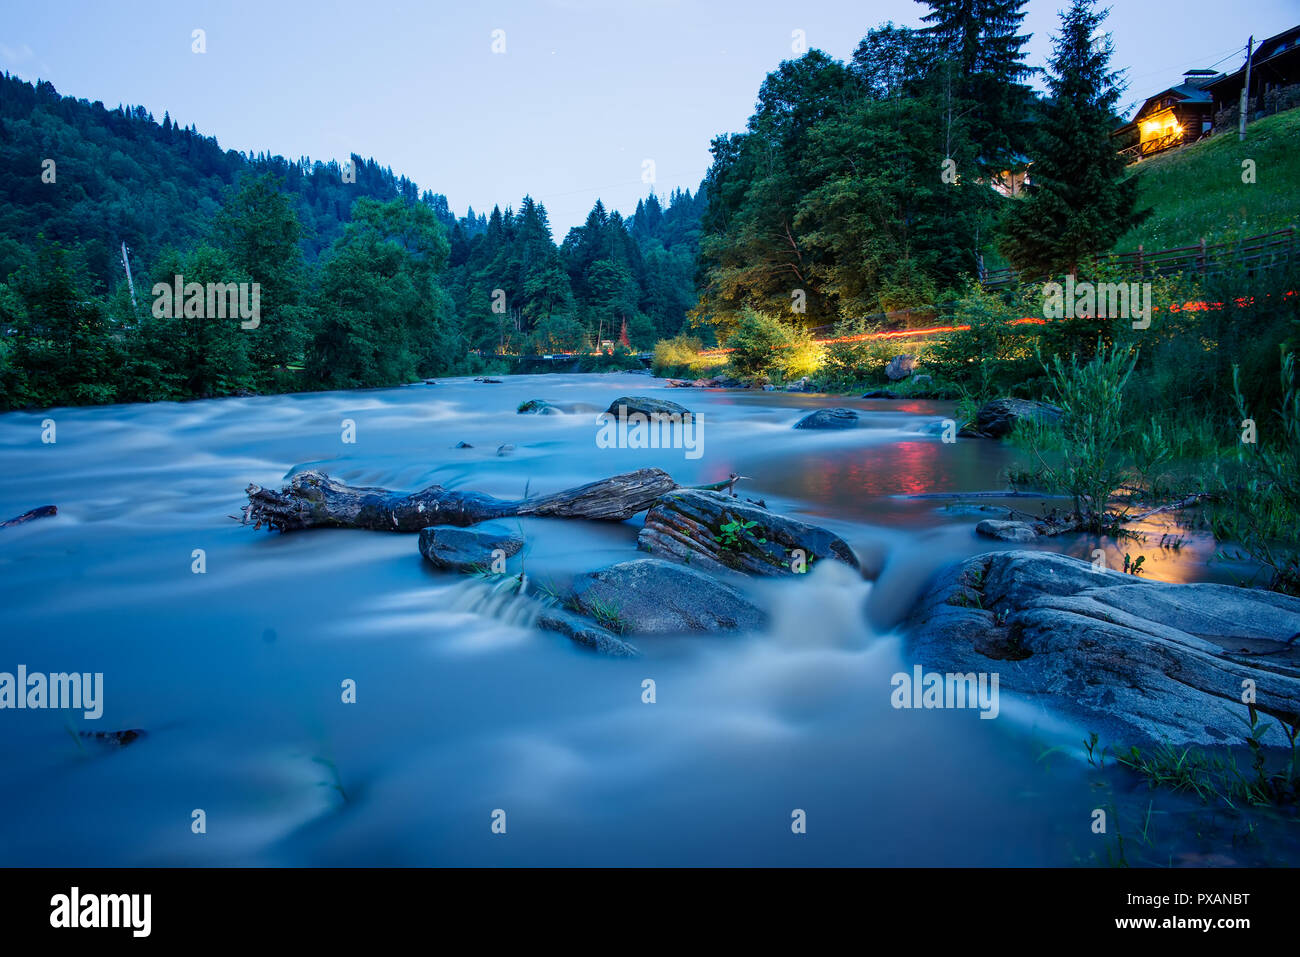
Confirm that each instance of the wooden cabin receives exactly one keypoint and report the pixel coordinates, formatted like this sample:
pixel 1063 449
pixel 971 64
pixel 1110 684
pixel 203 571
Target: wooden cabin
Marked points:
pixel 1011 181
pixel 1178 115
pixel 1274 66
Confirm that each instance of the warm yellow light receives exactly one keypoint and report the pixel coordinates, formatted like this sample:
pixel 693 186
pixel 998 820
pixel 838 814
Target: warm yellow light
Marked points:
pixel 1165 126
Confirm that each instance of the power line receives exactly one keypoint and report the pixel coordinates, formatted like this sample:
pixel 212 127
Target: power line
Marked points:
pixel 1230 53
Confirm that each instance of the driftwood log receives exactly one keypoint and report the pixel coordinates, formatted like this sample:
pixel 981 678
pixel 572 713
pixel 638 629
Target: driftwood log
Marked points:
pixel 312 499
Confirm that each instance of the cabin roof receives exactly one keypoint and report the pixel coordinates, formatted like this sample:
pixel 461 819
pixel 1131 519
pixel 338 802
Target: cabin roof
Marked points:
pixel 1286 42
pixel 1276 44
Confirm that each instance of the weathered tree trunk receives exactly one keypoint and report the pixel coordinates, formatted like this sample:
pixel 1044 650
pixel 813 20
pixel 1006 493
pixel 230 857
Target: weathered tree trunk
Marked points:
pixel 314 500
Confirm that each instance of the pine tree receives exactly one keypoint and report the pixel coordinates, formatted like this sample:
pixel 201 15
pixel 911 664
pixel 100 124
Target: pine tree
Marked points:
pixel 981 68
pixel 1078 202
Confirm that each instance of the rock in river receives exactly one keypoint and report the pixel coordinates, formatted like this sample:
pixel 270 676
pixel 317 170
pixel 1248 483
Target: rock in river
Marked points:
pixel 582 631
pixel 828 419
pixel 1136 661
pixel 717 532
pixel 1006 531
pixel 650 597
pixel 646 406
pixel 998 417
pixel 537 407
pixel 467 549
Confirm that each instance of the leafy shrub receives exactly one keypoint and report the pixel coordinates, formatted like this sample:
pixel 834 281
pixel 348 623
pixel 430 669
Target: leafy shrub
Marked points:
pixel 680 356
pixel 1258 505
pixel 849 364
pixel 1091 430
pixel 764 346
pixel 993 356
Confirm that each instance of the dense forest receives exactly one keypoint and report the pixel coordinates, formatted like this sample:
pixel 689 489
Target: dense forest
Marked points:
pixel 365 280
pixel 869 186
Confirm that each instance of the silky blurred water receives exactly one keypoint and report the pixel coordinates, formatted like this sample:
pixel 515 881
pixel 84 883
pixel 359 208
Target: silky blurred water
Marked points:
pixel 461 707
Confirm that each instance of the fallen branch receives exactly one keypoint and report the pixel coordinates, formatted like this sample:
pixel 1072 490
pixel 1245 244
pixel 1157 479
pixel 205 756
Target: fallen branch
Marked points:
pixel 43 511
pixel 312 499
pixel 1056 523
pixel 1171 507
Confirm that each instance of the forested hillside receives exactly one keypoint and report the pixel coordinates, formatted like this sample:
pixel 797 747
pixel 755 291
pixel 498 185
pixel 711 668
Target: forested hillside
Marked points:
pixel 438 288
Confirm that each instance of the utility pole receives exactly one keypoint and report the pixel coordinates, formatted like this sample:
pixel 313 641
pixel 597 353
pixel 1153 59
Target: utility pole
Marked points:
pixel 1245 89
pixel 126 261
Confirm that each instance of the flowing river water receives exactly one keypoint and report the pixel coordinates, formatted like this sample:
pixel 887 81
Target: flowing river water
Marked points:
pixel 462 708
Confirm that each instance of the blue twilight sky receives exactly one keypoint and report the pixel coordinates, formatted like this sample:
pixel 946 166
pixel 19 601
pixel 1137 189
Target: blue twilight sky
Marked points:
pixel 585 91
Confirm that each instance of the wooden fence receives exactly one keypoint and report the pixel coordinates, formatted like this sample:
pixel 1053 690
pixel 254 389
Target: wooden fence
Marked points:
pixel 1257 252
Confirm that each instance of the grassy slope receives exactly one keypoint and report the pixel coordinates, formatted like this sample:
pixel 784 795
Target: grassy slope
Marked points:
pixel 1197 190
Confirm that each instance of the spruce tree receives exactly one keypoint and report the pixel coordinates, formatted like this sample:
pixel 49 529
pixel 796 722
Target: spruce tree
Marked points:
pixel 981 66
pixel 1078 202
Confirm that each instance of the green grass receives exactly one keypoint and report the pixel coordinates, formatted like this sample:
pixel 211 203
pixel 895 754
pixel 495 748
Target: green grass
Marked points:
pixel 1197 191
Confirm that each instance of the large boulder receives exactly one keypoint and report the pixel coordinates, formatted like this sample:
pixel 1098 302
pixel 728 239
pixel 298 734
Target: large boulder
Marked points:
pixel 1136 661
pixel 716 532
pixel 900 367
pixel 467 549
pixel 828 419
pixel 647 406
pixel 998 417
pixel 648 596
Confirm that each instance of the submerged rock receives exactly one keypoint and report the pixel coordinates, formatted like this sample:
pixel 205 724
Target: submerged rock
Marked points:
pixel 467 549
pixel 584 632
pixel 1137 661
pixel 648 596
pixel 1006 531
pixel 716 532
pixel 880 394
pixel 829 419
pixel 537 407
pixel 118 739
pixel 998 417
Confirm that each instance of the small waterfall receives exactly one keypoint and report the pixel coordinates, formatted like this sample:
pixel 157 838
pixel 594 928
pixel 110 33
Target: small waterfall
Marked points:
pixel 499 599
